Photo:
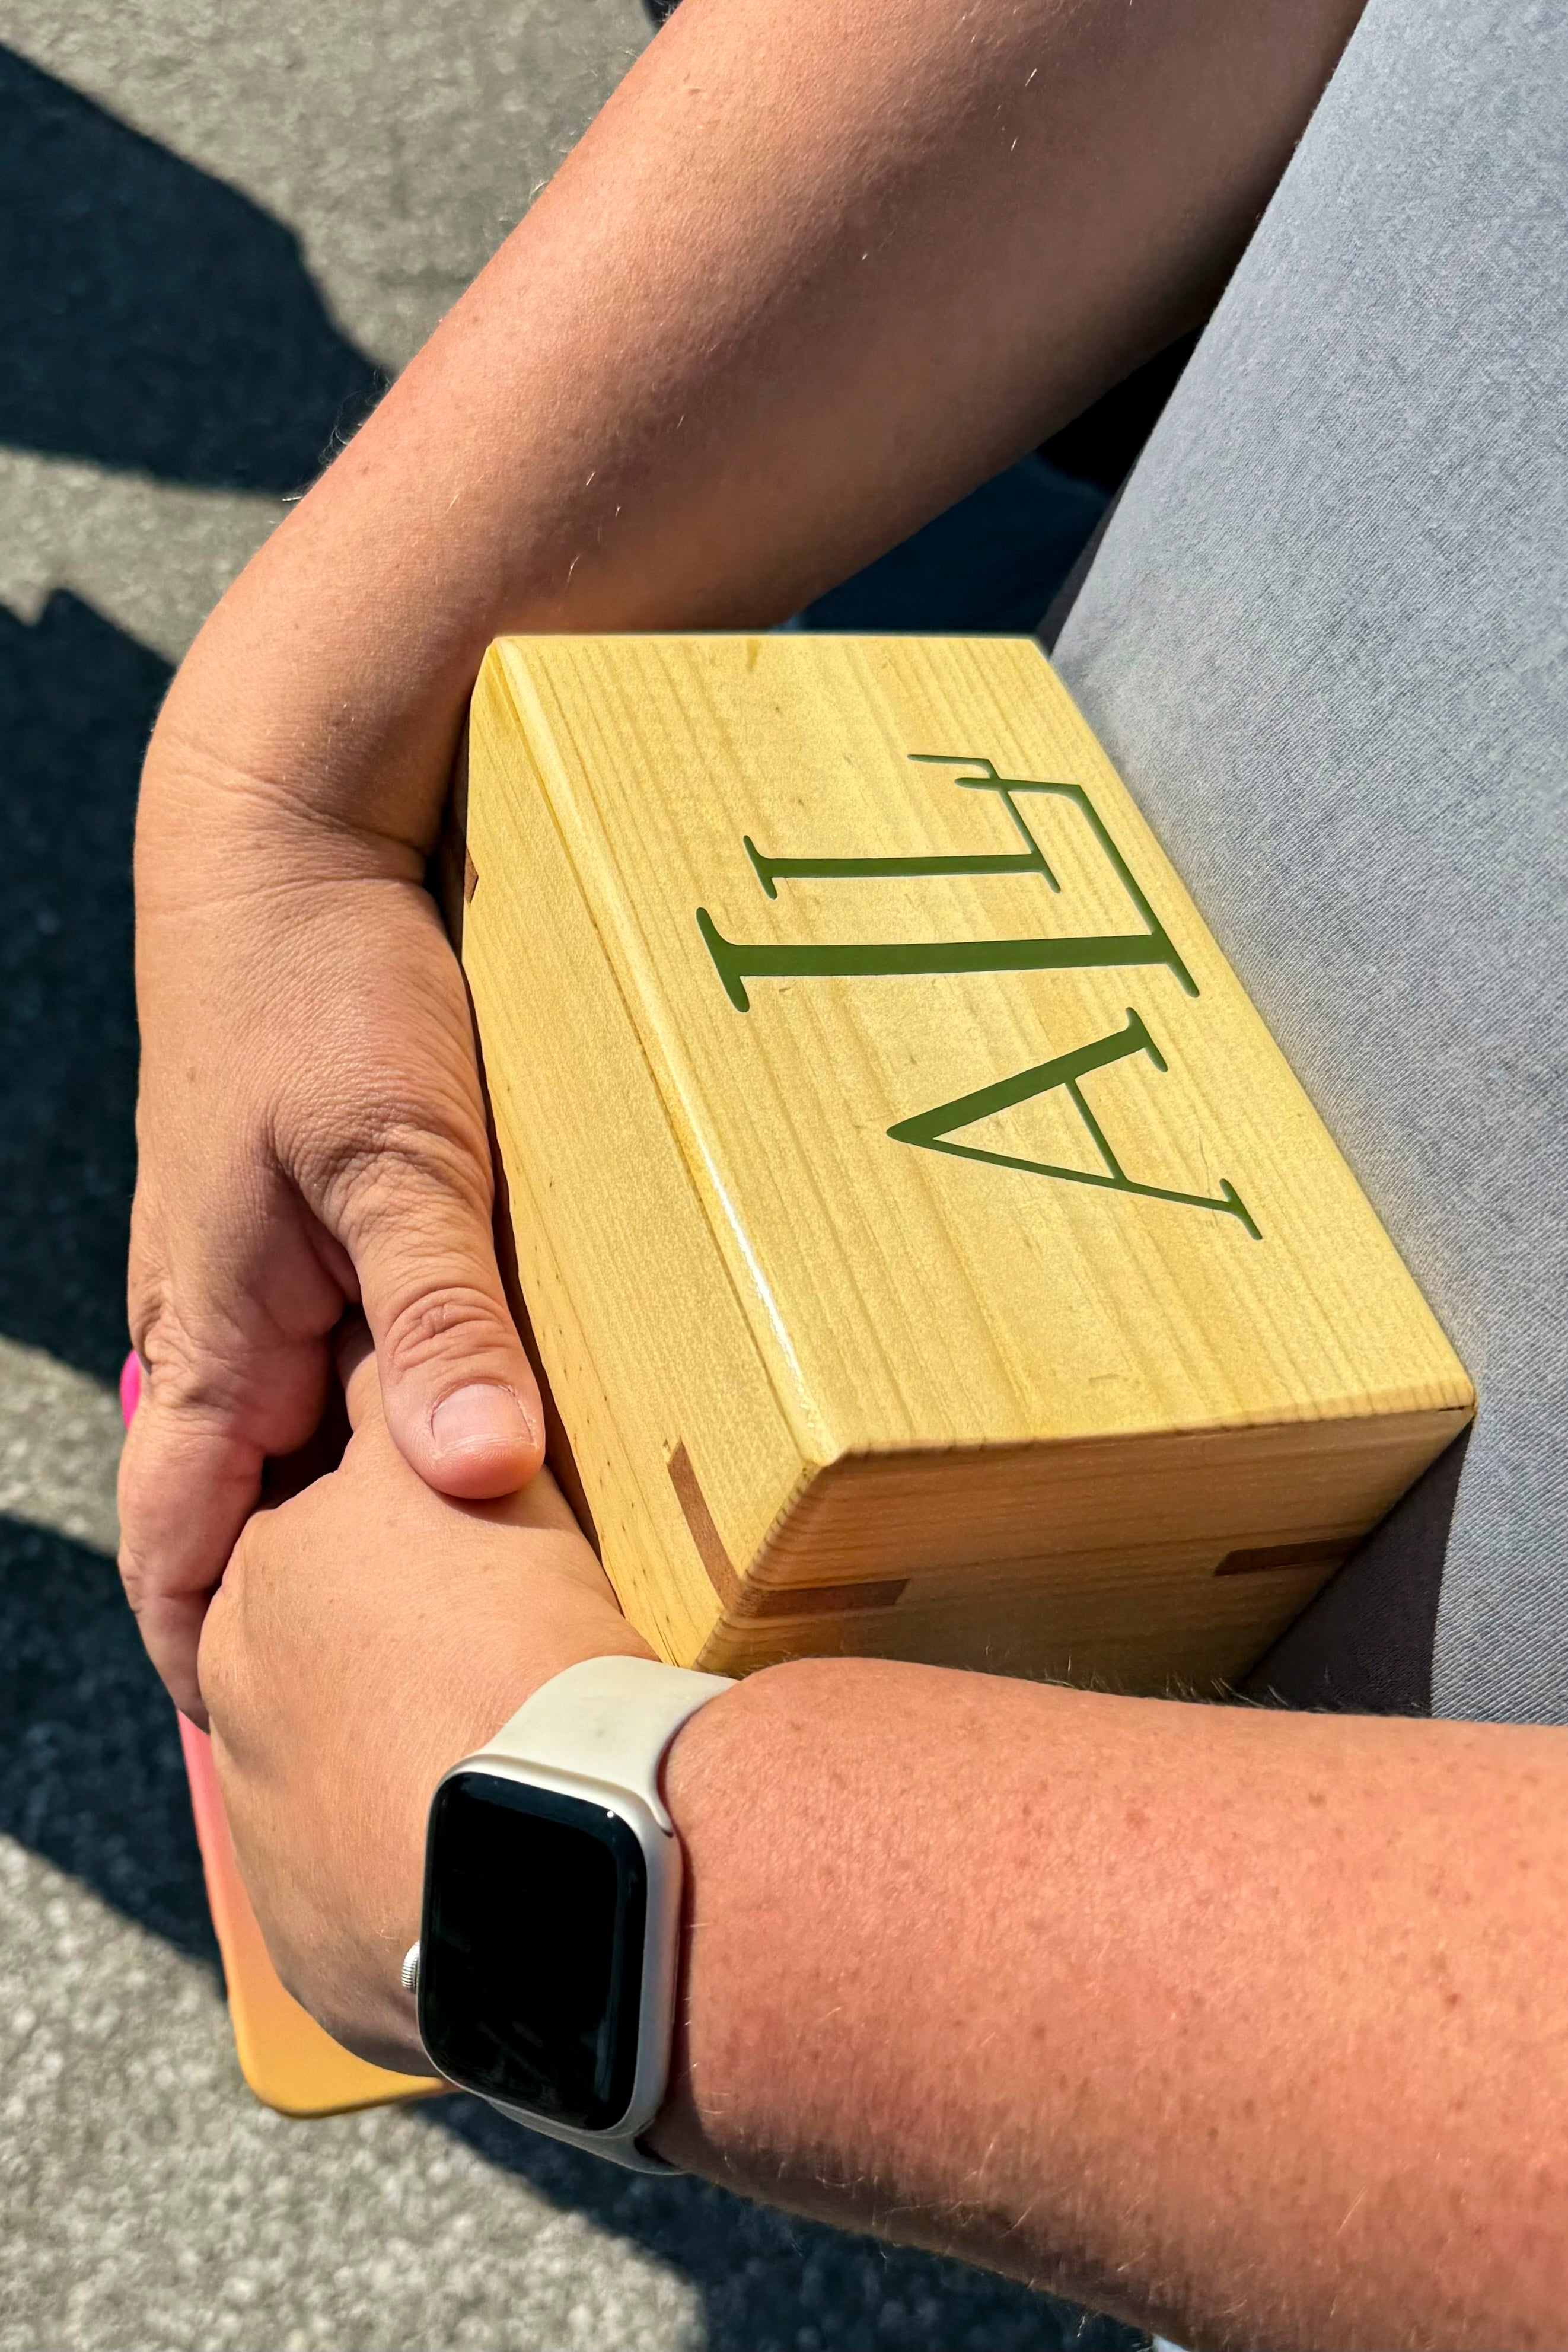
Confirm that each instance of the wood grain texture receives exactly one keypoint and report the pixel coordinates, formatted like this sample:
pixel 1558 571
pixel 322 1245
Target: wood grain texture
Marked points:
pixel 904 1192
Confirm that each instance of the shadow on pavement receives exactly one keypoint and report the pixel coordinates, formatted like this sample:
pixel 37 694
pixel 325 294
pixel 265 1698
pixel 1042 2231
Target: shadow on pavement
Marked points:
pixel 77 700
pixel 91 1772
pixel 153 317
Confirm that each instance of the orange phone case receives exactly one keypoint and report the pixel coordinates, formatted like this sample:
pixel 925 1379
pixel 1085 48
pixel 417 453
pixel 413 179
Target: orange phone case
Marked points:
pixel 287 2060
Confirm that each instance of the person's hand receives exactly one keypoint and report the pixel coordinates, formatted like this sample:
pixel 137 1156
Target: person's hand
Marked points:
pixel 311 1134
pixel 369 1633
pixel 711 373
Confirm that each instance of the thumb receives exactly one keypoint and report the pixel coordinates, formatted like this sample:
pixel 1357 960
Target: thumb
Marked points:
pixel 460 1398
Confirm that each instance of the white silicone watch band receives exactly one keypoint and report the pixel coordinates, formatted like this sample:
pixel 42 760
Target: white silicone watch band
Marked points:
pixel 606 1724
pixel 609 1719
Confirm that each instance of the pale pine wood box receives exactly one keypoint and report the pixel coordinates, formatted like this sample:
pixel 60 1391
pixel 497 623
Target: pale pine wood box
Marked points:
pixel 930 1253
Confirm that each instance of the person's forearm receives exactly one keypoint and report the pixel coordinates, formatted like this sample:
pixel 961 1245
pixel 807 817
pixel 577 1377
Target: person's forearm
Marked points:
pixel 819 267
pixel 1246 2025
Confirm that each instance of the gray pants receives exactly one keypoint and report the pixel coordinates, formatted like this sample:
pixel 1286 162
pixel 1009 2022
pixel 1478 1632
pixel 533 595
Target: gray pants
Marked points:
pixel 1324 641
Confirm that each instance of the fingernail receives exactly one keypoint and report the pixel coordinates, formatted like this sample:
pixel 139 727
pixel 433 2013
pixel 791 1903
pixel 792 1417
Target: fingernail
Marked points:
pixel 482 1415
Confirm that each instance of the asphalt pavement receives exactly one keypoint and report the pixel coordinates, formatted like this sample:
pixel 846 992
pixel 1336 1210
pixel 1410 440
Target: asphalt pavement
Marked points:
pixel 224 225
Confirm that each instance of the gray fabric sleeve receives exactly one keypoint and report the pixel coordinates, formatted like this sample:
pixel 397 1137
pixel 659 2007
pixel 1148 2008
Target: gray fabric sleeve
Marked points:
pixel 1324 641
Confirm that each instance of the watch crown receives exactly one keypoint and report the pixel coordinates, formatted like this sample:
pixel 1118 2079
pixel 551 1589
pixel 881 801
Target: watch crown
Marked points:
pixel 411 1970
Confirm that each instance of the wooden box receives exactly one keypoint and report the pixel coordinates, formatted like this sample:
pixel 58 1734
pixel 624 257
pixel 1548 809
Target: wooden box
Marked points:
pixel 929 1252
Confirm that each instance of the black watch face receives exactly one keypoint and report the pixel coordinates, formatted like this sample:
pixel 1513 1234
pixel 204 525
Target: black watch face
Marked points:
pixel 531 1950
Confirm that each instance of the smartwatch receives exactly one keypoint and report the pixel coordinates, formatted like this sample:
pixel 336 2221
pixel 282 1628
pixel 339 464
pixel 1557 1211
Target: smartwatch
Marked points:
pixel 546 1964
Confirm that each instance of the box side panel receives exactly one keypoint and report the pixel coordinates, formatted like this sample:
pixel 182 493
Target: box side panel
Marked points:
pixel 1161 1630
pixel 886 1515
pixel 966 1199
pixel 1168 1561
pixel 659 1382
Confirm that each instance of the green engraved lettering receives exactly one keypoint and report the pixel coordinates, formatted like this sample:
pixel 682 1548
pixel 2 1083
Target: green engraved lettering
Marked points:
pixel 931 1128
pixel 737 961
pixel 1031 860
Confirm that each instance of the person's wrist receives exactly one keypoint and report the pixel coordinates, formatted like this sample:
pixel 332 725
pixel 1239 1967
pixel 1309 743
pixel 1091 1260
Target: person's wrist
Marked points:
pixel 484 1714
pixel 334 1860
pixel 308 699
pixel 719 1796
pixel 208 812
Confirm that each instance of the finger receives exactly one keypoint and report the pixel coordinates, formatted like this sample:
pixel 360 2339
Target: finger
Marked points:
pixel 172 1621
pixel 188 1483
pixel 460 1400
pixel 190 1476
pixel 238 1377
pixel 540 1506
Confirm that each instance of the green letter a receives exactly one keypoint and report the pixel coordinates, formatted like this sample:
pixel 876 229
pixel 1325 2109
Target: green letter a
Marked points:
pixel 931 1128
